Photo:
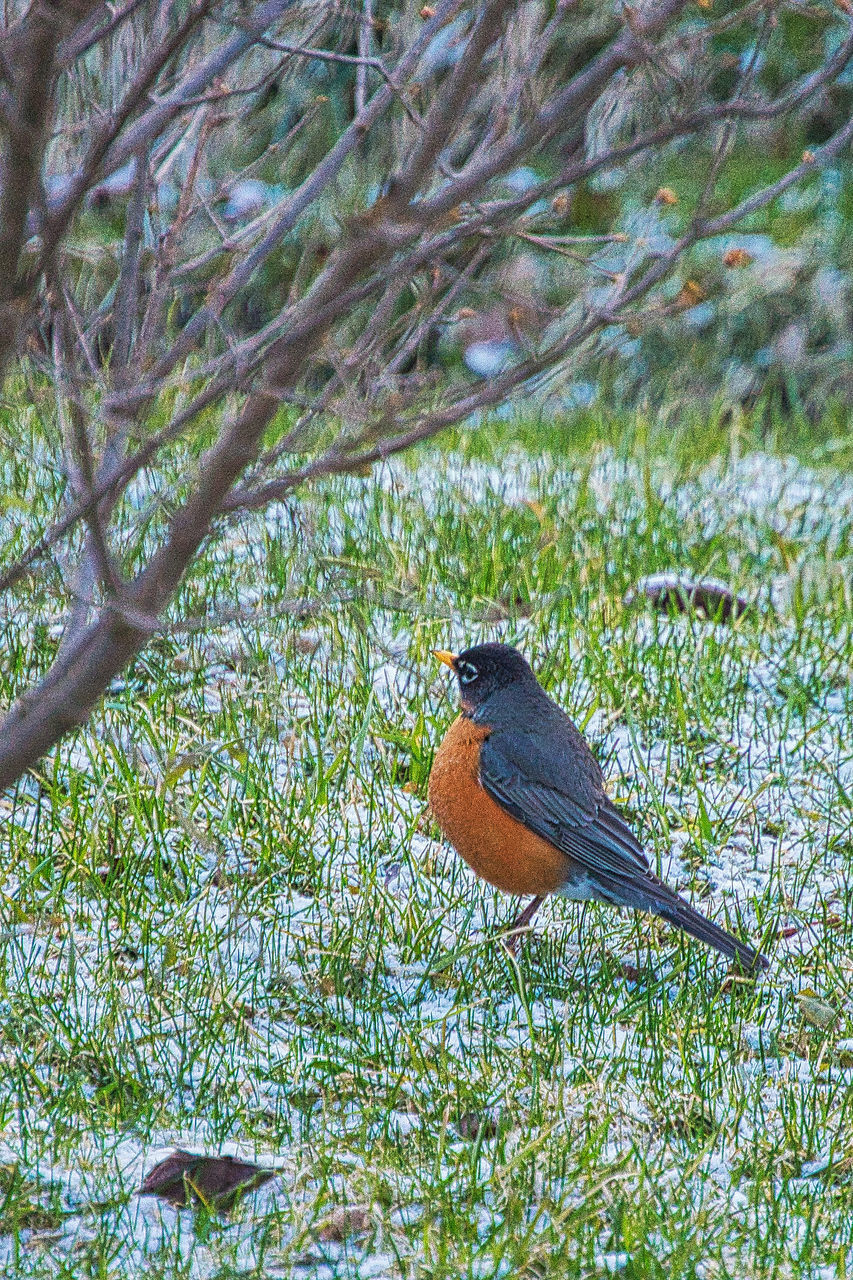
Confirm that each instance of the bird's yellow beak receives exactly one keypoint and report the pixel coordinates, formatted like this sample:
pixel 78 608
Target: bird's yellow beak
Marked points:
pixel 449 659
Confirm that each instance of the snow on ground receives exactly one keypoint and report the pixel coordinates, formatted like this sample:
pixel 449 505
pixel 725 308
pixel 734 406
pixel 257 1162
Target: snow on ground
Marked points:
pixel 772 787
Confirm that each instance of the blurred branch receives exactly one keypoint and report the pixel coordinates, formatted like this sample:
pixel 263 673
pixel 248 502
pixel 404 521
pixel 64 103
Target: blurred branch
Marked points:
pixel 294 205
pixel 96 566
pixel 28 53
pixel 126 309
pixel 570 104
pixel 103 137
pixel 338 462
pixel 302 607
pixel 365 40
pixel 94 32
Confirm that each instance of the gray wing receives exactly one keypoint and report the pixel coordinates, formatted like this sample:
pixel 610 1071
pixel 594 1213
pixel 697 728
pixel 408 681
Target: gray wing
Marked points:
pixel 555 788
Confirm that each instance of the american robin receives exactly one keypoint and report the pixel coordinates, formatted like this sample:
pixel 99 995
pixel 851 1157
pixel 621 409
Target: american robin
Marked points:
pixel 518 793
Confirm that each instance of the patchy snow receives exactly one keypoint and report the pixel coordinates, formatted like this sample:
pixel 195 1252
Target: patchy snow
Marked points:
pixel 770 784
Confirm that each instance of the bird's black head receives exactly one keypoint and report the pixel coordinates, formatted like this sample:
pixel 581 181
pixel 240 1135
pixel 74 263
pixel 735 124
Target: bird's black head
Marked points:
pixel 484 670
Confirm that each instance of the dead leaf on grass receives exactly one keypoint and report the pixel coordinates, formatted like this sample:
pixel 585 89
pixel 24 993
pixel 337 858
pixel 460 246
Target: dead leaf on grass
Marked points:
pixel 187 1176
pixel 344 1221
pixel 709 596
pixel 474 1124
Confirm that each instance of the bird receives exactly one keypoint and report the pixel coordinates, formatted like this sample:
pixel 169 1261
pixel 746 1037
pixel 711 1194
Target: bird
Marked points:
pixel 516 790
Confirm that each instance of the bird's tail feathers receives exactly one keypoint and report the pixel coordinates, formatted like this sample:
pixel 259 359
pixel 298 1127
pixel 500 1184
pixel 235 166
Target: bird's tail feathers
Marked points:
pixel 683 916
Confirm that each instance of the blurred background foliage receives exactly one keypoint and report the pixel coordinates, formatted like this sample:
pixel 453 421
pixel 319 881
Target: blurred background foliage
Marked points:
pixel 759 319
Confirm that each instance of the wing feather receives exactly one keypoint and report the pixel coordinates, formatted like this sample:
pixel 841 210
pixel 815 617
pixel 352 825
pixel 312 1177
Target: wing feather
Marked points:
pixel 585 825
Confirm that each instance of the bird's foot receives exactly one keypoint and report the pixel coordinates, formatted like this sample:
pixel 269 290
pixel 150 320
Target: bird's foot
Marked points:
pixel 513 936
pixel 511 941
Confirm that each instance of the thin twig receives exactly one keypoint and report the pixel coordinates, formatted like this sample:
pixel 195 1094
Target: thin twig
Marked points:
pixel 126 309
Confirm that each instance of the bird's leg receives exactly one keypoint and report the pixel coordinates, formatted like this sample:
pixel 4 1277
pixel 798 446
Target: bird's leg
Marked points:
pixel 513 934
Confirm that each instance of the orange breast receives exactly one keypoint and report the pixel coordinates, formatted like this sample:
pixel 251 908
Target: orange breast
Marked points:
pixel 492 842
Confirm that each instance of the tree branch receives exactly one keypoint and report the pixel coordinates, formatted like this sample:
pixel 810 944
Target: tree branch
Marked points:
pixel 29 52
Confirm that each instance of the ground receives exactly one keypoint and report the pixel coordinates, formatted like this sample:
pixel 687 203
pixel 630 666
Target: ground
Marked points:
pixel 229 924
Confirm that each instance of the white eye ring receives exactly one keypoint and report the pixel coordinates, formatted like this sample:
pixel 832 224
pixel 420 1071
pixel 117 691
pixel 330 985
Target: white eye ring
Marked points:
pixel 466 672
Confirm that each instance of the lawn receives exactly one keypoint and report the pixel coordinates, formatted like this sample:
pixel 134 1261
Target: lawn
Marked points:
pixel 227 922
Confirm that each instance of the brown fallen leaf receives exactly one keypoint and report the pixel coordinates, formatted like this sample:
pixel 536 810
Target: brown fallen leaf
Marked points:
pixel 344 1221
pixel 473 1125
pixel 219 1181
pixel 308 642
pixel 709 596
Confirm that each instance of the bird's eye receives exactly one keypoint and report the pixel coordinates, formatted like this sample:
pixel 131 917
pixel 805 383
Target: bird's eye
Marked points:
pixel 467 672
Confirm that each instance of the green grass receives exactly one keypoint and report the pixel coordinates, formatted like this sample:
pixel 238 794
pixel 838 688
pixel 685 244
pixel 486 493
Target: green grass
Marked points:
pixel 225 916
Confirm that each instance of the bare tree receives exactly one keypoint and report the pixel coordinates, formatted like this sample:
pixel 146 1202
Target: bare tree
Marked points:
pixel 303 310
